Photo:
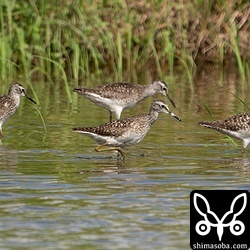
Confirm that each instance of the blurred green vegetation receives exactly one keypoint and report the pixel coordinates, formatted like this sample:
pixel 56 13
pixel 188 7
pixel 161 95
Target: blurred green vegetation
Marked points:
pixel 74 39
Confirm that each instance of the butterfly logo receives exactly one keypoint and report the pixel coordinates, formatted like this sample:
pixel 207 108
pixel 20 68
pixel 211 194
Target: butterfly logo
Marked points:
pixel 203 227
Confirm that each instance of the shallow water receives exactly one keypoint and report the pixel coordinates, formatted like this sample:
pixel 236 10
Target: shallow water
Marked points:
pixel 56 192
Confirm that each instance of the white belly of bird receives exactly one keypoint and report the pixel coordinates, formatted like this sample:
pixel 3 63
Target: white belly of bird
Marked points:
pixel 131 138
pixel 120 141
pixel 101 101
pixel 241 134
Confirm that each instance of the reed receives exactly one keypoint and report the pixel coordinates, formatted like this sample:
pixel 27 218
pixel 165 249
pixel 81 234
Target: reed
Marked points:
pixel 81 38
pixel 232 141
pixel 157 60
pixel 235 47
pixel 63 76
pixel 43 122
pixel 120 57
pixel 207 108
pixel 237 97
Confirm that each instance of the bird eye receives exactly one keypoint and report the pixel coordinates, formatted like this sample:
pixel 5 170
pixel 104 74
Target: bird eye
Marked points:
pixel 164 89
pixel 162 106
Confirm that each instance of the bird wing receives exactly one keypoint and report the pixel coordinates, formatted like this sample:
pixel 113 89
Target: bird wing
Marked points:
pixel 238 122
pixel 4 105
pixel 115 128
pixel 116 90
pixel 233 123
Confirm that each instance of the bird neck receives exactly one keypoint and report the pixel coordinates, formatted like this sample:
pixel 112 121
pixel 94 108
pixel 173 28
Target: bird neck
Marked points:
pixel 149 90
pixel 153 115
pixel 15 97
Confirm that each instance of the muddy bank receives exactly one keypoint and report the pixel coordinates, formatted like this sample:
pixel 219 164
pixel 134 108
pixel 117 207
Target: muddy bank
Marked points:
pixel 209 31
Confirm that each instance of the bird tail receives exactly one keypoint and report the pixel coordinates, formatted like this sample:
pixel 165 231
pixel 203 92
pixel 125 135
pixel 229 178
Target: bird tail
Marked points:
pixel 79 130
pixel 207 124
pixel 80 90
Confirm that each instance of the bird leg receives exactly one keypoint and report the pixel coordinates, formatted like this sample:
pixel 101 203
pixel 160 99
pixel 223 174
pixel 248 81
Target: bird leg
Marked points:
pixel 243 151
pixel 120 155
pixel 110 116
pixel 120 151
pixel 245 143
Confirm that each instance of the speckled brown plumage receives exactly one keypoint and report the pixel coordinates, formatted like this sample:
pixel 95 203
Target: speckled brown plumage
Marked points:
pixel 119 90
pixel 233 123
pixel 10 103
pixel 237 126
pixel 118 96
pixel 127 131
pixel 118 127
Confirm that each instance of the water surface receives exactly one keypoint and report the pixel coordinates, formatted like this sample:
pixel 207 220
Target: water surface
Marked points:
pixel 56 192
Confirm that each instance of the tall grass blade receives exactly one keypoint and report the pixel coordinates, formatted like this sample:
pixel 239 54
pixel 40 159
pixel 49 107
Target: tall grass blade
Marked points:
pixel 157 59
pixel 232 141
pixel 240 100
pixel 120 56
pixel 206 107
pixel 64 76
pixel 43 122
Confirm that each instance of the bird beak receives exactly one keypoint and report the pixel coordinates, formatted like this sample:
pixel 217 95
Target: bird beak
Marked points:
pixel 29 98
pixel 171 113
pixel 176 117
pixel 172 102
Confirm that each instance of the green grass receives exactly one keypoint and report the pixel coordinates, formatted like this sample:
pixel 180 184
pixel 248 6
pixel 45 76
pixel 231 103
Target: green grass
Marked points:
pixel 207 108
pixel 237 97
pixel 235 47
pixel 76 39
pixel 43 122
